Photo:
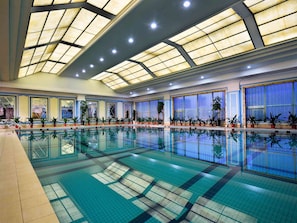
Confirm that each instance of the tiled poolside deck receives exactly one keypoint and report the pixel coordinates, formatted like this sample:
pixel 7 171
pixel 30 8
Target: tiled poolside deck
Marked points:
pixel 22 198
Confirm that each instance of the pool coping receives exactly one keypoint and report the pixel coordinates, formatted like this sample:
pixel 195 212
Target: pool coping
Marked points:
pixel 22 198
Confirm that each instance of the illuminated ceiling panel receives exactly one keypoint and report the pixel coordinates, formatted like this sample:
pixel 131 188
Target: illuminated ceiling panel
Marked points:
pixel 114 81
pixel 116 6
pixel 162 59
pixel 277 20
pixel 131 72
pixel 66 28
pixel 221 36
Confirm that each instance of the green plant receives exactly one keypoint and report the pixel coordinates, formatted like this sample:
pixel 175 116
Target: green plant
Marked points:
pixel 54 120
pixel 83 110
pixel 17 119
pixel 216 103
pixel 233 120
pixel 88 120
pixel 31 120
pixel 292 119
pixel 65 120
pixel 75 120
pixel 273 119
pixel 42 120
pixel 252 120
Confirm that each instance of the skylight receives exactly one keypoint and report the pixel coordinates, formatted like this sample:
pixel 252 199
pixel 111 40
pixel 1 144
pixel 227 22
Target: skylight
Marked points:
pixel 221 36
pixel 57 35
pixel 277 20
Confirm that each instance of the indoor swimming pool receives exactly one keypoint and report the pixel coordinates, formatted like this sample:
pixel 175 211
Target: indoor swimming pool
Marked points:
pixel 123 174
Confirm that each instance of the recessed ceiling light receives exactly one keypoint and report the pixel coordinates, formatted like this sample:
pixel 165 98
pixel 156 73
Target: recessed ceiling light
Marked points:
pixel 148 89
pixel 131 92
pixel 154 25
pixel 101 59
pixel 131 40
pixel 83 70
pixel 77 75
pixel 170 84
pixel 249 66
pixel 187 4
pixel 114 51
pixel 91 65
pixel 202 77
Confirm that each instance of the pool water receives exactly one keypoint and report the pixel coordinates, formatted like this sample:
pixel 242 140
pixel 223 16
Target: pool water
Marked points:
pixel 166 175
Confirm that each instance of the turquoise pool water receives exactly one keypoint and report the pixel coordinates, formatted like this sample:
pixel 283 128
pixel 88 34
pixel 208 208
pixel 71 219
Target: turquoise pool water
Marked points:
pixel 172 175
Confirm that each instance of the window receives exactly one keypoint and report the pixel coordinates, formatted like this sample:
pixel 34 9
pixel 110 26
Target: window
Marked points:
pixel 7 107
pixel 274 99
pixel 38 108
pixel 198 106
pixel 148 109
pixel 66 108
pixel 92 109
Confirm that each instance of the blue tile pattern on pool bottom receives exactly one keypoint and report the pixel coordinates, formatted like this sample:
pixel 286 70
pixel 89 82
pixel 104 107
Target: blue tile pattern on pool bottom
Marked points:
pixel 157 175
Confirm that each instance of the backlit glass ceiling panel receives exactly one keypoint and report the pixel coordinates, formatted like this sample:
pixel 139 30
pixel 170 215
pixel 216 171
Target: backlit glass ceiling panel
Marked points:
pixel 131 72
pixel 55 37
pixel 276 19
pixel 162 59
pixel 221 36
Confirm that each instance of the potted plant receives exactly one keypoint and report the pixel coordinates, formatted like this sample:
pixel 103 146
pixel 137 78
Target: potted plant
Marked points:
pixel 88 120
pixel 83 110
pixel 216 107
pixel 65 121
pixel 273 119
pixel 232 121
pixel 54 120
pixel 42 120
pixel 17 120
pixel 31 120
pixel 292 120
pixel 252 121
pixel 96 120
pixel 74 120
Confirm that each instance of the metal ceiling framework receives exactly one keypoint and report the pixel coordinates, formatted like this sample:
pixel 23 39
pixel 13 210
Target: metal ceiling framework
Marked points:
pixel 60 29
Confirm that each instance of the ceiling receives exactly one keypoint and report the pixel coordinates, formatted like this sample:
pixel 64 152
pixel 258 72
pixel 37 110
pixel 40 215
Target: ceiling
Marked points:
pixel 75 38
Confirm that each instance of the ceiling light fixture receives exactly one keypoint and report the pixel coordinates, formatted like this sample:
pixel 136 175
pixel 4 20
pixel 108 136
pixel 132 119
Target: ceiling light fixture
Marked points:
pixel 77 75
pixel 202 77
pixel 187 4
pixel 131 40
pixel 91 65
pixel 83 70
pixel 170 84
pixel 249 67
pixel 148 89
pixel 114 51
pixel 101 59
pixel 154 25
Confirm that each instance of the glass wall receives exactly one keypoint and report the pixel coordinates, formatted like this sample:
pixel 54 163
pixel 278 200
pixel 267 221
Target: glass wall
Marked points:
pixel 198 106
pixel 148 109
pixel 261 101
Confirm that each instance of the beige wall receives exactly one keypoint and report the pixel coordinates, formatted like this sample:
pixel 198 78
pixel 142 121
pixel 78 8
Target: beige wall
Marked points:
pixel 23 108
pixel 54 83
pixel 53 108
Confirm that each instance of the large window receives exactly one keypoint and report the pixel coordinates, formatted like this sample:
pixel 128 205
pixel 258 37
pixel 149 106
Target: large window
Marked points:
pixel 66 108
pixel 261 101
pixel 7 107
pixel 92 109
pixel 198 106
pixel 38 108
pixel 148 109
